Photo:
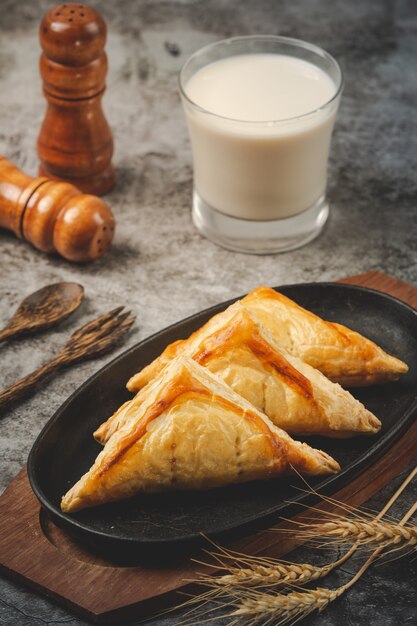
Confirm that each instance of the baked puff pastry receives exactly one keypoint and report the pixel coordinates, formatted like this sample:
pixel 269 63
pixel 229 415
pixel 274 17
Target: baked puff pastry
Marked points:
pixel 341 354
pixel 295 396
pixel 191 431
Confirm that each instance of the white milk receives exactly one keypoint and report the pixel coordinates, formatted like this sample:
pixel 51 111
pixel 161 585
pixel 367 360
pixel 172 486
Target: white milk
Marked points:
pixel 257 154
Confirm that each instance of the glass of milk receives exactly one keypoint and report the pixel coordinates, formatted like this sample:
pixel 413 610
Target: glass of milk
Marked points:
pixel 260 112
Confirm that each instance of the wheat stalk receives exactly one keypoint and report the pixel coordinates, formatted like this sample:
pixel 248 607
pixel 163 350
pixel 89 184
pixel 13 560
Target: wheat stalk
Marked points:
pixel 258 572
pixel 286 607
pixel 291 607
pixel 276 574
pixel 242 588
pixel 251 571
pixel 364 532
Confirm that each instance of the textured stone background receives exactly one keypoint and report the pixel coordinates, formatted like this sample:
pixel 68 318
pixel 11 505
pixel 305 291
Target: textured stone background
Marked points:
pixel 159 265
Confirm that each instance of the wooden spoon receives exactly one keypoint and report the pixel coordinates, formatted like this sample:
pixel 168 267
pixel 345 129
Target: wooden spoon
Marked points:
pixel 43 309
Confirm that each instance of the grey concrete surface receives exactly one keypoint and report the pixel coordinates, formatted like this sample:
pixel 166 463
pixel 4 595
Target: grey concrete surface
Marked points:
pixel 159 265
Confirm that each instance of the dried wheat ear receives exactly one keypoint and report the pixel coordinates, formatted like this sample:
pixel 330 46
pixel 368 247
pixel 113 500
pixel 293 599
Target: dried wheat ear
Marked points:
pixel 247 583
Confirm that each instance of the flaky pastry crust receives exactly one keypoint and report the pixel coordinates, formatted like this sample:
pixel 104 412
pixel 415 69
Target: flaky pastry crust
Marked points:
pixel 191 431
pixel 295 396
pixel 341 354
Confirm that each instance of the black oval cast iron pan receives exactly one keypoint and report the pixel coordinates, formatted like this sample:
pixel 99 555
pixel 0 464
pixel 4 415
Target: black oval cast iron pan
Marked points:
pixel 65 448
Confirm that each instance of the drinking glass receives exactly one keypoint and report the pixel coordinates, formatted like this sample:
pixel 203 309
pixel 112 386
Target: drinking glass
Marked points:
pixel 260 186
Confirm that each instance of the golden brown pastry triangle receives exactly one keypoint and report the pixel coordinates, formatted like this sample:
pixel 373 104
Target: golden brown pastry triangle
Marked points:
pixel 191 431
pixel 341 354
pixel 295 396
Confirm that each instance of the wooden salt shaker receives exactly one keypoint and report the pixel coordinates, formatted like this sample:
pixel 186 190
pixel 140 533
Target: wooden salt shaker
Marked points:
pixel 53 216
pixel 75 143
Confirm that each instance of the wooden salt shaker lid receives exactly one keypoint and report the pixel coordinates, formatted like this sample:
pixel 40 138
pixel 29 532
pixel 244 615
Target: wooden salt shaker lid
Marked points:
pixel 74 63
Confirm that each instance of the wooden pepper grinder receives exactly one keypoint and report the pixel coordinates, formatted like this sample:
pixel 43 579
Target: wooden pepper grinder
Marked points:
pixel 75 142
pixel 54 216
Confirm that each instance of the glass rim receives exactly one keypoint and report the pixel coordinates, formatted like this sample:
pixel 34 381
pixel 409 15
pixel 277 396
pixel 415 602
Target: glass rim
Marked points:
pixel 296 43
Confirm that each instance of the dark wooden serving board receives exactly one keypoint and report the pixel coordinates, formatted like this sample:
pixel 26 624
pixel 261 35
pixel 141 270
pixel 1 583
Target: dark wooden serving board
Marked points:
pixel 37 553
